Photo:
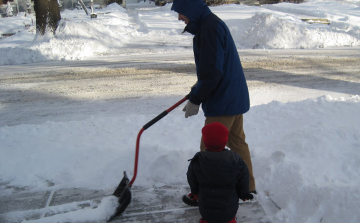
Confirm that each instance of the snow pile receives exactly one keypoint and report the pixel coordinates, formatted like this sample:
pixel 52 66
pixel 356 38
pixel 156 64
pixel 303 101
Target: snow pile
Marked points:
pixel 145 28
pixel 78 38
pixel 305 155
pixel 309 164
pixel 270 32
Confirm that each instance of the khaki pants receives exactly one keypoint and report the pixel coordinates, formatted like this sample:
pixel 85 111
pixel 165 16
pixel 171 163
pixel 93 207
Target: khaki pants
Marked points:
pixel 236 141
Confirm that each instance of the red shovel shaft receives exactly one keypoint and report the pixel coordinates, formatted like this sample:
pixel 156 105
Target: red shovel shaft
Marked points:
pixel 153 121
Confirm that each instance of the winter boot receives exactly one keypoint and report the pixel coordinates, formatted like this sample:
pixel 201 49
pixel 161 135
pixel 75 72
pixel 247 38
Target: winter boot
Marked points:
pixel 191 199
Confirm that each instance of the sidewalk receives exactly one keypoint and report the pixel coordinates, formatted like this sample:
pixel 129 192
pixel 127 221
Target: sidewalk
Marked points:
pixel 148 205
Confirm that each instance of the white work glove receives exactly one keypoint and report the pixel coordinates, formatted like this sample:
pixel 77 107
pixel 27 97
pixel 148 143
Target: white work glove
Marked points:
pixel 191 109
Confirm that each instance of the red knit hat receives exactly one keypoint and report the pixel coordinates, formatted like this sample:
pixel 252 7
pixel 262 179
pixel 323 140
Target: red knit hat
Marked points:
pixel 215 136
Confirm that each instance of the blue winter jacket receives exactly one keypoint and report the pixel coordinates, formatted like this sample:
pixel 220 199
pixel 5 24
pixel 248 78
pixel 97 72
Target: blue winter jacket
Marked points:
pixel 221 86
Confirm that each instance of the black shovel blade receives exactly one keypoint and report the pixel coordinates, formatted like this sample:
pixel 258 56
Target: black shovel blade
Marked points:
pixel 124 196
pixel 122 185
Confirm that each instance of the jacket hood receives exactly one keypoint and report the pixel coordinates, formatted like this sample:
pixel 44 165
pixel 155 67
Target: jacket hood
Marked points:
pixel 192 9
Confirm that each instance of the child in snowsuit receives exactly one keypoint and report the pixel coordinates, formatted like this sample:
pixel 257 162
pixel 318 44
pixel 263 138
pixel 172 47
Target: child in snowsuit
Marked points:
pixel 217 177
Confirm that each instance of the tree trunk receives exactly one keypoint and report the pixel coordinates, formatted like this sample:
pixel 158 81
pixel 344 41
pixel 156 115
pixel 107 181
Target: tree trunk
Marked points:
pixel 47 16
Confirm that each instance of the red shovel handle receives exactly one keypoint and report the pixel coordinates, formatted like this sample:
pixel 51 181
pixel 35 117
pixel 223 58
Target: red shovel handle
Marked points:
pixel 153 121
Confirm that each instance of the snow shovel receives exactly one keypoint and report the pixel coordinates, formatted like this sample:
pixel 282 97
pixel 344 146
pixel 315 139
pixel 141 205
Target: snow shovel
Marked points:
pixel 123 192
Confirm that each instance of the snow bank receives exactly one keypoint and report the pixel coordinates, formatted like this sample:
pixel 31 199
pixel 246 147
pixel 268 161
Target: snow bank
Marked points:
pixel 145 29
pixel 305 154
pixel 270 32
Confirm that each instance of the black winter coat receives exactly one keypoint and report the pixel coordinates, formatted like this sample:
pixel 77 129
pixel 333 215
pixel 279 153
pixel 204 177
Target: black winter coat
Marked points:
pixel 219 179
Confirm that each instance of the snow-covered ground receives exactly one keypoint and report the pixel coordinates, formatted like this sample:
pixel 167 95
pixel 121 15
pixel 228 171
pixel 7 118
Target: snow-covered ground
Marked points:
pixel 156 30
pixel 305 153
